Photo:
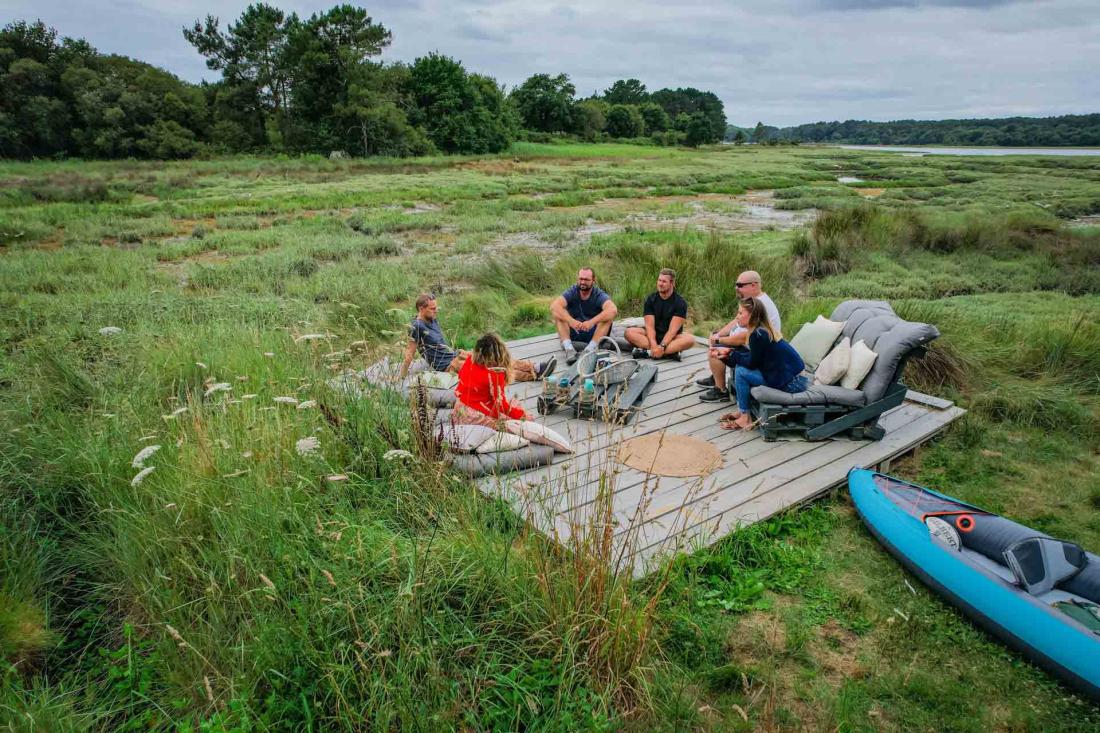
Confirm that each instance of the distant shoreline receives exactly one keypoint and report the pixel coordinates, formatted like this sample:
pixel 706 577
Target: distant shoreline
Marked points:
pixel 969 150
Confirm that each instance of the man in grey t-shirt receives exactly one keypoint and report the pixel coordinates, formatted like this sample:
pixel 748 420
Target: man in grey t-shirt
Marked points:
pixel 732 336
pixel 427 337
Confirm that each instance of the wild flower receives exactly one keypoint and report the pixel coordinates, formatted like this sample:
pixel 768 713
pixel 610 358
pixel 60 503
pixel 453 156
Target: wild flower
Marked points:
pixel 307 404
pixel 136 481
pixel 110 331
pixel 175 635
pixel 143 455
pixel 337 477
pixel 307 446
pixel 286 400
pixel 246 454
pixel 393 455
pixel 200 365
pixel 218 387
pixel 311 337
pixel 249 396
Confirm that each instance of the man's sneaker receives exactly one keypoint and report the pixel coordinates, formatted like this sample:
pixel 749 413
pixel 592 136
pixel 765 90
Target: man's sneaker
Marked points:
pixel 715 395
pixel 570 355
pixel 706 381
pixel 639 353
pixel 672 357
pixel 546 368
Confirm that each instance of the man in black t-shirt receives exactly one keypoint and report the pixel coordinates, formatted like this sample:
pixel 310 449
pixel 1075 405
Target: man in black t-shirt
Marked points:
pixel 663 336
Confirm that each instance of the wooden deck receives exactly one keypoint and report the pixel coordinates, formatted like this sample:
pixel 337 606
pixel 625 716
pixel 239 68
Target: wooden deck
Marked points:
pixel 651 516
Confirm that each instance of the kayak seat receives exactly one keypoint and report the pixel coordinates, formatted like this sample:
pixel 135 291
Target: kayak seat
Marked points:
pixel 1041 563
pixel 993 535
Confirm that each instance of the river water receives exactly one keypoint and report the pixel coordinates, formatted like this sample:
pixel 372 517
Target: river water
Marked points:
pixel 921 150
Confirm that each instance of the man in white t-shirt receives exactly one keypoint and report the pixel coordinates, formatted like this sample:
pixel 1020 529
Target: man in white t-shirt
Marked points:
pixel 731 336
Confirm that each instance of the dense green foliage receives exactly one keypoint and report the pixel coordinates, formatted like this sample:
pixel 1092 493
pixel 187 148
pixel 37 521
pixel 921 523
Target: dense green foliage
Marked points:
pixel 1068 130
pixel 303 85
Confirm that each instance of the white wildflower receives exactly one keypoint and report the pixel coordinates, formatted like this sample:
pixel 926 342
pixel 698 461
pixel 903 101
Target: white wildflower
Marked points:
pixel 141 475
pixel 286 400
pixel 218 387
pixel 307 404
pixel 249 396
pixel 311 337
pixel 110 331
pixel 307 446
pixel 246 454
pixel 171 505
pixel 336 477
pixel 200 365
pixel 143 455
pixel 393 455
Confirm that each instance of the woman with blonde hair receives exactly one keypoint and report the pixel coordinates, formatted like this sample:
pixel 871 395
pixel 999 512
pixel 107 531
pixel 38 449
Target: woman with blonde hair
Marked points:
pixel 769 360
pixel 481 382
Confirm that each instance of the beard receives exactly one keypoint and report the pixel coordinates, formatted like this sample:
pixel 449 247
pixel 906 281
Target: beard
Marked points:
pixel 584 287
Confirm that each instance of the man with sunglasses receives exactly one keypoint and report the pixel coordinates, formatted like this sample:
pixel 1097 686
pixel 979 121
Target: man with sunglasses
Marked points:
pixel 427 337
pixel 732 336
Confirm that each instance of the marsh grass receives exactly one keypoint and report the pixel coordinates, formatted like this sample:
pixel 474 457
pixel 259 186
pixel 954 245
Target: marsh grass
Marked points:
pixel 245 585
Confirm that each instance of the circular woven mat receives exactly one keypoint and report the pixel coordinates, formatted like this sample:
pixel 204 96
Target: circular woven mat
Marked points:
pixel 668 454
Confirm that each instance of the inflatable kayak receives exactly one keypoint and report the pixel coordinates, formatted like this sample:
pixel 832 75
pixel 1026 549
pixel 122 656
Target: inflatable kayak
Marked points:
pixel 1038 594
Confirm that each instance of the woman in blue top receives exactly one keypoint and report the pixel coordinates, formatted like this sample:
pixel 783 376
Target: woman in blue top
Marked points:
pixel 768 360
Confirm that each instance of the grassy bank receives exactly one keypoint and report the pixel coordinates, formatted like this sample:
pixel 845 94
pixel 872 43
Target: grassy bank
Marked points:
pixel 255 581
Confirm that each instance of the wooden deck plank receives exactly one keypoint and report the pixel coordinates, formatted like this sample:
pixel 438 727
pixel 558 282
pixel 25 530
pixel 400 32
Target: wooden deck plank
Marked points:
pixel 655 514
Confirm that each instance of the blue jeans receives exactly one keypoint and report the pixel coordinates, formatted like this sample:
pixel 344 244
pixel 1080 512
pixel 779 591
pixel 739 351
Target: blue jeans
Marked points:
pixel 744 379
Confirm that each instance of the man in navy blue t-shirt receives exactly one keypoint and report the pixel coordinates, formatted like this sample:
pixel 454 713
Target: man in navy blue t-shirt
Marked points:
pixel 582 315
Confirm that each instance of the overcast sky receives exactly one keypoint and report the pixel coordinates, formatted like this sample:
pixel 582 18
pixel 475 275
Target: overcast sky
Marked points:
pixel 780 61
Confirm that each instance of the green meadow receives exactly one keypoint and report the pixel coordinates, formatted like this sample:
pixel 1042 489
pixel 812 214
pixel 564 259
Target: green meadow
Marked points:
pixel 279 568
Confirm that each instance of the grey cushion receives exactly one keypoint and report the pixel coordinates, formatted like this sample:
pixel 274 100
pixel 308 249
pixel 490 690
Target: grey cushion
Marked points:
pixel 875 322
pixel 818 394
pixel 435 396
pixel 484 464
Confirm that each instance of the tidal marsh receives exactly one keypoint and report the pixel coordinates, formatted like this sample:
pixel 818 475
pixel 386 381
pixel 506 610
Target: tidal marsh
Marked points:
pixel 248 583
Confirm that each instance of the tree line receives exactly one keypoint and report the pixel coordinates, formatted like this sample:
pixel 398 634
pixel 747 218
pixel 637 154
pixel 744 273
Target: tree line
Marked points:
pixel 1067 130
pixel 306 85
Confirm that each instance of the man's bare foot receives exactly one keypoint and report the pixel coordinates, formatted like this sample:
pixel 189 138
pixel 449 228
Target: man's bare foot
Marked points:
pixel 730 416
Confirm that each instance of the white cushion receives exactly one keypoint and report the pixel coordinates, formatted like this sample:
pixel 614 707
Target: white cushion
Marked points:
pixel 835 365
pixel 540 434
pixel 814 340
pixel 465 438
pixel 859 366
pixel 502 441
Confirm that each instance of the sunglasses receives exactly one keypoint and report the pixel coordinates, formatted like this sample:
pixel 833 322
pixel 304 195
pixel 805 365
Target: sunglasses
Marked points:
pixel 744 285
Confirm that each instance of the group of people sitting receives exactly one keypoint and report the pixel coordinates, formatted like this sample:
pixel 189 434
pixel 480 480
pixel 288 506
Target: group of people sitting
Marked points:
pixel 752 344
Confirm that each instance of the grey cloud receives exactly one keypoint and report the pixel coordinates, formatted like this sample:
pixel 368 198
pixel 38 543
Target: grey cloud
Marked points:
pixel 783 62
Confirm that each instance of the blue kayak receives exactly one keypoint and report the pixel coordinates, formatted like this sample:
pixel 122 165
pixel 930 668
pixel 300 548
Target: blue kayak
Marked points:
pixel 1038 594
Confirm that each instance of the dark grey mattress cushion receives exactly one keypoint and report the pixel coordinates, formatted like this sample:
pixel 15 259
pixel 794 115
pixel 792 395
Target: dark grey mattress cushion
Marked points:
pixel 818 394
pixel 484 464
pixel 875 323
